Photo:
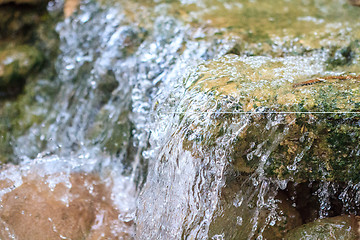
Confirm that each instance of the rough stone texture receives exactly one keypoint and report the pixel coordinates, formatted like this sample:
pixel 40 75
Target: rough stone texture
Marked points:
pixel 77 207
pixel 16 63
pixel 335 228
pixel 286 144
pixel 236 216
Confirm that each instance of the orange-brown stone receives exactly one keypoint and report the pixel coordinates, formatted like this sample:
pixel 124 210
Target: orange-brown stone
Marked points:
pixel 78 208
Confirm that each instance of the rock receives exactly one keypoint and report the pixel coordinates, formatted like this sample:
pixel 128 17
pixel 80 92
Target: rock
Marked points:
pixel 70 7
pixel 237 215
pixel 336 228
pixel 354 2
pixel 18 24
pixel 261 100
pixel 16 63
pixel 59 205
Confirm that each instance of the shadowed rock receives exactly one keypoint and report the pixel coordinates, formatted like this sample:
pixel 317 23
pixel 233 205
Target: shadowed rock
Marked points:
pixel 16 63
pixel 337 228
pixel 236 215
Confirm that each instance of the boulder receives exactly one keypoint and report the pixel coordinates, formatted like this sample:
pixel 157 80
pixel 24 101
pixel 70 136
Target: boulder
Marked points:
pixel 282 117
pixel 58 206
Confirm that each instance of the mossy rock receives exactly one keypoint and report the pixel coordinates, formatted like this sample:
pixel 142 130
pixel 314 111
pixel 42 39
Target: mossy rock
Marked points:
pixel 16 63
pixel 18 22
pixel 275 121
pixel 5 136
pixel 21 66
pixel 335 228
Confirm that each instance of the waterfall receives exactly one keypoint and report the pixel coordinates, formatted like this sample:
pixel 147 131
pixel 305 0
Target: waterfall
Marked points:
pixel 203 125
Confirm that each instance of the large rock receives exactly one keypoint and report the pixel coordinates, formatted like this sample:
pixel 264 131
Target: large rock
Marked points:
pixel 276 120
pixel 58 206
pixel 335 228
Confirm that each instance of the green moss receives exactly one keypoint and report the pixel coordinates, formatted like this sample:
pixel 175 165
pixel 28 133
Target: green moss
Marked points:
pixel 289 145
pixel 5 136
pixel 17 62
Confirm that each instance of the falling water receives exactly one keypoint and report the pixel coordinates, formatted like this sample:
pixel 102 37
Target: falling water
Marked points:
pixel 93 116
pixel 137 98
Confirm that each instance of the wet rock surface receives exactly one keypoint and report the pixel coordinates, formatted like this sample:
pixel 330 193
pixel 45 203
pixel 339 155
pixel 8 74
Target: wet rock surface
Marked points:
pixel 236 216
pixel 59 205
pixel 294 128
pixel 254 114
pixel 16 64
pixel 341 227
pixel 19 22
pixel 119 79
pixel 70 7
pixel 272 127
pixel 28 45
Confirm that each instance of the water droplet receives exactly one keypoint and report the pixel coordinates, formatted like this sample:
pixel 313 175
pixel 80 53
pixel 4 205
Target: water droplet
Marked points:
pixel 239 220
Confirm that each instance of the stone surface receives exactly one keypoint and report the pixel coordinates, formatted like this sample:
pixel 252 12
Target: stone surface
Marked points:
pixel 70 7
pixel 354 2
pixel 335 228
pixel 237 216
pixel 19 22
pixel 16 63
pixel 76 206
pixel 262 99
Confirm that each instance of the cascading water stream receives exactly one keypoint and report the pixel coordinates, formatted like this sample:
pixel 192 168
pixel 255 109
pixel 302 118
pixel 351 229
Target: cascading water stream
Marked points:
pixel 97 107
pixel 200 133
pixel 128 102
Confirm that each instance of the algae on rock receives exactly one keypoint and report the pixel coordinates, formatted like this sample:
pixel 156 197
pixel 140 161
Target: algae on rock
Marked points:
pixel 18 62
pixel 285 130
